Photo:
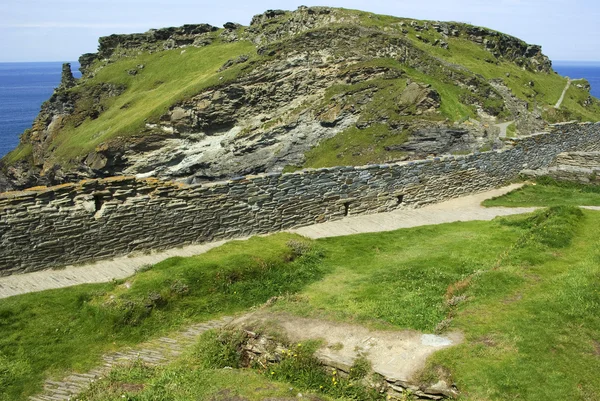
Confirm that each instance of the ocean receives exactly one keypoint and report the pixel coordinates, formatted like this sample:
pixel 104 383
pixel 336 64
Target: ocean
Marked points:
pixel 25 86
pixel 23 89
pixel 581 69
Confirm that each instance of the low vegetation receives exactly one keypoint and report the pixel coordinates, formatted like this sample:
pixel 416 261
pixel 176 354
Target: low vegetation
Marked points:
pixel 166 78
pixel 356 147
pixel 187 379
pixel 298 367
pixel 548 192
pixel 55 331
pixel 523 290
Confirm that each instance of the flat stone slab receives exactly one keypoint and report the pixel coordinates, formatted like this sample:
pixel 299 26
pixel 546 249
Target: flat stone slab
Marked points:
pixel 398 355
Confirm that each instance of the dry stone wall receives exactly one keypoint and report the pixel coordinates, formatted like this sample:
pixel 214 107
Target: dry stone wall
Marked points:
pixel 97 219
pixel 589 160
pixel 578 167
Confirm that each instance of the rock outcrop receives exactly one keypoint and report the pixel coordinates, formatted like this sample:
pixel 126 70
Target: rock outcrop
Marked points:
pixel 315 74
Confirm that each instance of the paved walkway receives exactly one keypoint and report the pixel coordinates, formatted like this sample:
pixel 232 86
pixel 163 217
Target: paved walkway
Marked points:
pixel 460 209
pixel 160 351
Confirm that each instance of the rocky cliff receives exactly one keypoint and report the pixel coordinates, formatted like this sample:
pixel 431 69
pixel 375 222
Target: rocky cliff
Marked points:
pixel 315 87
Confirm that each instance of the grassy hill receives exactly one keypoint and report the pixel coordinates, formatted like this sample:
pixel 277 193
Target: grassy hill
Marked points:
pixel 310 88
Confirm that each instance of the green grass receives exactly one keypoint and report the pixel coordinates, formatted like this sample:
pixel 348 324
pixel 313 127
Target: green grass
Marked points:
pixel 298 366
pixel 360 146
pixel 547 192
pixel 20 153
pixel 356 147
pixel 188 380
pixel 532 325
pixel 53 332
pixel 524 290
pixel 546 90
pixel 451 105
pixel 399 279
pixel 574 100
pixel 167 78
pixel 511 131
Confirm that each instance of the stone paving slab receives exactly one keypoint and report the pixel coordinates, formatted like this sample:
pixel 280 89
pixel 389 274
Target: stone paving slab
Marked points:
pixel 156 352
pixel 99 272
pixel 466 208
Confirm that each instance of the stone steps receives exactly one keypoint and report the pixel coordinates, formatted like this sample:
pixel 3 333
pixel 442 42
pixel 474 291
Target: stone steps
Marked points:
pixel 160 351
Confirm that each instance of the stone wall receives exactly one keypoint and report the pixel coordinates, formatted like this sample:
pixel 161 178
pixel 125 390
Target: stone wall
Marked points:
pixel 578 167
pixel 590 160
pixel 97 219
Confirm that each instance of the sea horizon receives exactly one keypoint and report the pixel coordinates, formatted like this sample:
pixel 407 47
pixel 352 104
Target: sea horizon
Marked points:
pixel 576 62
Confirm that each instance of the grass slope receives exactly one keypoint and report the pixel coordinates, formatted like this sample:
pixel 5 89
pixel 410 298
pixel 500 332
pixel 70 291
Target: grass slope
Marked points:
pixel 55 331
pixel 547 192
pixel 532 324
pixel 167 78
pixel 399 278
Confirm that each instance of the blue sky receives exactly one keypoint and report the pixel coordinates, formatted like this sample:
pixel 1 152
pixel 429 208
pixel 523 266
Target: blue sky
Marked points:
pixel 61 30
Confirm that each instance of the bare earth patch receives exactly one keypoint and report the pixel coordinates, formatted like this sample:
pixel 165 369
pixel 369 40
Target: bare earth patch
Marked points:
pixel 397 355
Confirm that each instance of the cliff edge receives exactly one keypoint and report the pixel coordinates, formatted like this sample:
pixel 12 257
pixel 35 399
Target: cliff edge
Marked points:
pixel 315 87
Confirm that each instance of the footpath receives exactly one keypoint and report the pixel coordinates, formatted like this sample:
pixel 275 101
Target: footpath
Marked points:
pixel 466 208
pixel 153 353
pixel 411 348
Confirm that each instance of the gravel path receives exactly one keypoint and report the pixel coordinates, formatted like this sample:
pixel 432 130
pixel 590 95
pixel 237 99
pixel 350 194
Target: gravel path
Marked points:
pixel 460 209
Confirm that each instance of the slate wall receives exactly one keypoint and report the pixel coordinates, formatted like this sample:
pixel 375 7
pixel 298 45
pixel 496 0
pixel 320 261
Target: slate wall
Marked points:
pixel 98 219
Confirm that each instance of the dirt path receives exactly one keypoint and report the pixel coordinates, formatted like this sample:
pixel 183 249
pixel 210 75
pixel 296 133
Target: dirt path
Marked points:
pixel 503 128
pixel 461 209
pixel 562 97
pixel 397 355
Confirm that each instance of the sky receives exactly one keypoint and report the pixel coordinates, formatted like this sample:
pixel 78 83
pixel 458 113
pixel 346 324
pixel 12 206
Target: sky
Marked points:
pixel 62 30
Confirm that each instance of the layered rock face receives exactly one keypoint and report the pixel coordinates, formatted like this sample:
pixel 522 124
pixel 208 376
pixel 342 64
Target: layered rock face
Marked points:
pixel 318 79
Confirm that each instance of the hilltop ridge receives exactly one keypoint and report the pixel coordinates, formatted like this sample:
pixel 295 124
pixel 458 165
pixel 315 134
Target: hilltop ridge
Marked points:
pixel 315 87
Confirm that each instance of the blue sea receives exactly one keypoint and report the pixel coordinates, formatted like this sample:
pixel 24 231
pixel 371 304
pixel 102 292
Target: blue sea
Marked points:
pixel 25 86
pixel 589 70
pixel 23 89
